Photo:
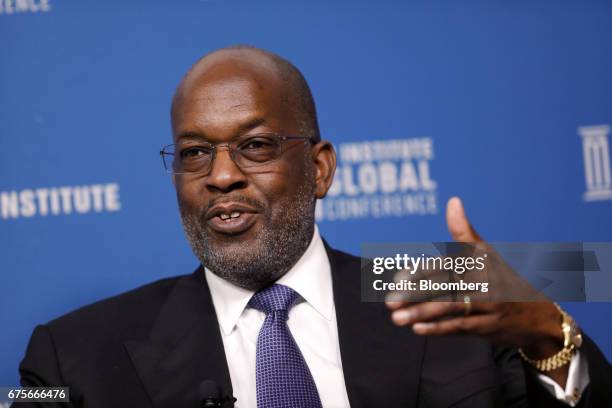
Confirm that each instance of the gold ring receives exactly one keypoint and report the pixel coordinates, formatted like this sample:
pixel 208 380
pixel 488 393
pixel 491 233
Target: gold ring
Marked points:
pixel 468 305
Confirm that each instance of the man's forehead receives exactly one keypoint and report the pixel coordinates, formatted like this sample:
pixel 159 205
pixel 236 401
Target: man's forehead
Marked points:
pixel 225 91
pixel 231 75
pixel 223 65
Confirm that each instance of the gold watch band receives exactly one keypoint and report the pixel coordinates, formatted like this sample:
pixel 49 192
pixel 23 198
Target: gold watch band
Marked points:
pixel 570 346
pixel 560 359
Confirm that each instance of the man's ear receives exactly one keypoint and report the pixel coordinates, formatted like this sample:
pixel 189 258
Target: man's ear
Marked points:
pixel 324 159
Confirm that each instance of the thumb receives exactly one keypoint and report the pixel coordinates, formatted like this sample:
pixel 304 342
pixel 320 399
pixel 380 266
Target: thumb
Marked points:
pixel 457 222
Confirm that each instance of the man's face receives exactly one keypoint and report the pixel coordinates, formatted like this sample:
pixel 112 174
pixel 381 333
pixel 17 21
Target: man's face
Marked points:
pixel 271 207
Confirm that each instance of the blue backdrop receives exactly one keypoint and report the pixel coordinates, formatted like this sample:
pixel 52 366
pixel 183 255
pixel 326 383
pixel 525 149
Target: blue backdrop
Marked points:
pixel 486 100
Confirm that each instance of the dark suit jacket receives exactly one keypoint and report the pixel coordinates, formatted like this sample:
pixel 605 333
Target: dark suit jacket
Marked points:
pixel 153 346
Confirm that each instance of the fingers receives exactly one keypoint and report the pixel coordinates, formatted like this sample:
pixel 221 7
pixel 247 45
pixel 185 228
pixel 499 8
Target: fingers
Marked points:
pixel 394 305
pixel 480 325
pixel 457 222
pixel 426 312
pixel 427 285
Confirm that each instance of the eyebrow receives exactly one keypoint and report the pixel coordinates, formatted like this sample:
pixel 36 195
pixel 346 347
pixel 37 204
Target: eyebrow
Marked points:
pixel 190 135
pixel 251 124
pixel 243 128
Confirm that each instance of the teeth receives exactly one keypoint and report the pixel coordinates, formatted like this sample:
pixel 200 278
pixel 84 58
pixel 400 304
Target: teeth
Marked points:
pixel 226 217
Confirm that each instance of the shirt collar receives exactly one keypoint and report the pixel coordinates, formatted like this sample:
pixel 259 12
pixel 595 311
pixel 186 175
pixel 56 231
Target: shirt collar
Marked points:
pixel 310 277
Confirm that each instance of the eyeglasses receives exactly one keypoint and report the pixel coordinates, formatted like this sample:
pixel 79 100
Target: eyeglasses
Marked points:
pixel 198 156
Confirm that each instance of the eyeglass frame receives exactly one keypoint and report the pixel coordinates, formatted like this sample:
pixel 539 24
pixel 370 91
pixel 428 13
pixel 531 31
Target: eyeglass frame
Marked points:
pixel 232 152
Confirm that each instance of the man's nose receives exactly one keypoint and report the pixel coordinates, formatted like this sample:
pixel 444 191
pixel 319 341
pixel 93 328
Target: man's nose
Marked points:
pixel 225 175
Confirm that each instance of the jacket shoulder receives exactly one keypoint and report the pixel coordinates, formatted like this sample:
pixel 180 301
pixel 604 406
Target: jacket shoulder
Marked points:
pixel 129 314
pixel 340 259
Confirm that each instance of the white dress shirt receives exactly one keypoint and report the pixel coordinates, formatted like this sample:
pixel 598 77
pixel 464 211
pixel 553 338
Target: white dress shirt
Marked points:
pixel 313 326
pixel 577 381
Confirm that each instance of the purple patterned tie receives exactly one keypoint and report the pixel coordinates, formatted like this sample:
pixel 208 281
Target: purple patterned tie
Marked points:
pixel 283 379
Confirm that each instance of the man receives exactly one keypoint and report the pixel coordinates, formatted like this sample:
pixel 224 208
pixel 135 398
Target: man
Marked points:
pixel 273 317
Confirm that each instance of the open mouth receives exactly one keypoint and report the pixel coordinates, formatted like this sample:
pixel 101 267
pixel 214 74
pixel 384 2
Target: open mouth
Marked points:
pixel 231 218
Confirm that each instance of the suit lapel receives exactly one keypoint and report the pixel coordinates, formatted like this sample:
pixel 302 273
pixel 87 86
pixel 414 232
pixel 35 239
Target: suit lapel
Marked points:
pixel 381 362
pixel 184 347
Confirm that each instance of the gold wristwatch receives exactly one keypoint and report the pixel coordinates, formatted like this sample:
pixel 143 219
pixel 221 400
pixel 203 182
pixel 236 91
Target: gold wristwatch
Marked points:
pixel 572 340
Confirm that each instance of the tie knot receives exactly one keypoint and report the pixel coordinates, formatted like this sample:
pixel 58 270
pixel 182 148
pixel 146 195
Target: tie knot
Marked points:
pixel 274 298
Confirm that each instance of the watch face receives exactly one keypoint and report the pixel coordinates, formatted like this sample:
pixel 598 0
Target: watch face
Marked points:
pixel 577 338
pixel 575 334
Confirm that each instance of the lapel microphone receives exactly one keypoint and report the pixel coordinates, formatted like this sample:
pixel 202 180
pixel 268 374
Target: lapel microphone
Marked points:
pixel 210 396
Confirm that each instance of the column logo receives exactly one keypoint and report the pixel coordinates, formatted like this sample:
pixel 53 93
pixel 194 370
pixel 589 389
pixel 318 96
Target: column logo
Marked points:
pixel 596 162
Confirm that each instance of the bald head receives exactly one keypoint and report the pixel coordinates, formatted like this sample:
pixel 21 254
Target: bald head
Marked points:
pixel 263 68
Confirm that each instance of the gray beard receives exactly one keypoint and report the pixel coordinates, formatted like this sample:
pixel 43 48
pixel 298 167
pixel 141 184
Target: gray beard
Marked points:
pixel 252 265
